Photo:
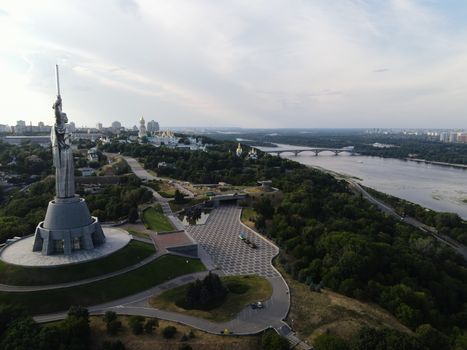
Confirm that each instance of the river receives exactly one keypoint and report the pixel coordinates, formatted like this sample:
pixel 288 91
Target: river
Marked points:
pixel 439 188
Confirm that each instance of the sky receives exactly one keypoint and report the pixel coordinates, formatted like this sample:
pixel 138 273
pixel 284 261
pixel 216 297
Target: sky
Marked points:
pixel 243 63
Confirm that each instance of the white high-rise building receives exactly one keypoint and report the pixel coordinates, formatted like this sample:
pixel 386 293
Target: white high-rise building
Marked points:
pixel 444 137
pixel 453 137
pixel 153 126
pixel 142 128
pixel 20 127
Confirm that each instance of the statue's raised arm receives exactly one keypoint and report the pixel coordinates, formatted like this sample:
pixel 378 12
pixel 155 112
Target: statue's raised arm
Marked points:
pixel 58 110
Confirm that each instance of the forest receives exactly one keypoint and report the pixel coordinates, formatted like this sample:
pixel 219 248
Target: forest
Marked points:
pixel 27 163
pixel 406 146
pixel 334 239
pixel 22 211
pixel 331 238
pixel 219 164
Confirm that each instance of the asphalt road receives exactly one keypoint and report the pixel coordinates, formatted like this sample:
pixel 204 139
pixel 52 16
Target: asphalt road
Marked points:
pixel 248 321
pixel 458 247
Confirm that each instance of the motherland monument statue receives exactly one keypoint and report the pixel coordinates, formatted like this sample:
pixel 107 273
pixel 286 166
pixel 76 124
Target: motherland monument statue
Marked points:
pixel 68 226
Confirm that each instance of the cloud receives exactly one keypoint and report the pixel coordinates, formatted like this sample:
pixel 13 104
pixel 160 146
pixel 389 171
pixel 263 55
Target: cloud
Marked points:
pixel 263 63
pixel 381 70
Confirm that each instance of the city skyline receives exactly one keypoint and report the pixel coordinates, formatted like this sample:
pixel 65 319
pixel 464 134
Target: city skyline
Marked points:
pixel 264 64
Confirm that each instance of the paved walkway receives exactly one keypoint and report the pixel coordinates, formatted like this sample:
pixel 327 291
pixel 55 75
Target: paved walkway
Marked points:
pixel 248 321
pixel 139 171
pixel 219 236
pixel 221 246
pixel 20 252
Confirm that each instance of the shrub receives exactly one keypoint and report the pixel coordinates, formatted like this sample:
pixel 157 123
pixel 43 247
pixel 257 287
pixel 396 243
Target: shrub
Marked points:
pixel 185 347
pixel 136 324
pixel 169 332
pixel 117 345
pixel 109 316
pixel 237 288
pixel 113 327
pixel 150 325
pixel 273 341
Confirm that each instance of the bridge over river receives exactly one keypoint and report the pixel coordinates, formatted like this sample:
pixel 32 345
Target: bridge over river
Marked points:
pixel 315 150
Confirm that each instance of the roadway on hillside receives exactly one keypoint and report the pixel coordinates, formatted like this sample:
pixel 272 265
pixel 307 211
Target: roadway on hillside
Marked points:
pixel 458 247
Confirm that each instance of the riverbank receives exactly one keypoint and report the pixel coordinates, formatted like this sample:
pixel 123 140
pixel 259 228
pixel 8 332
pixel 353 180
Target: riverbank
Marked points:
pixel 453 165
pixel 439 188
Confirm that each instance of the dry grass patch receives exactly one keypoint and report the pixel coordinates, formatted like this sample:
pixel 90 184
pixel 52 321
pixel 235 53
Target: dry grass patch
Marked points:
pixel 167 190
pixel 155 341
pixel 314 313
pixel 247 217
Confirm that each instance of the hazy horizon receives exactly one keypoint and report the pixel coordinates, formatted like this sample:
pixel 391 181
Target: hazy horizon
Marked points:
pixel 250 64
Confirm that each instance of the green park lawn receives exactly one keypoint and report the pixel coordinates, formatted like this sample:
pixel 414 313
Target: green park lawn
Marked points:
pixel 155 220
pixel 163 269
pixel 257 289
pixel 138 233
pixel 129 255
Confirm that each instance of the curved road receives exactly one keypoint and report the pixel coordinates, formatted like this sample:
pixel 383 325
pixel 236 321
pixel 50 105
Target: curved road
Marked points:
pixel 219 237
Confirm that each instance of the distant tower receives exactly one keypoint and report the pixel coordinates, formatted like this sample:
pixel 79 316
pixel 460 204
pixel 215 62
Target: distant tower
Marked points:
pixel 239 150
pixel 142 127
pixel 153 126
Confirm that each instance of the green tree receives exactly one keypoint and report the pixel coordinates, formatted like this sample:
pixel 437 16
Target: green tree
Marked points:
pixel 132 215
pixel 8 314
pixel 150 324
pixel 270 340
pixel 109 316
pixel 22 334
pixel 179 198
pixel 431 338
pixel 136 324
pixel 169 332
pixel 109 345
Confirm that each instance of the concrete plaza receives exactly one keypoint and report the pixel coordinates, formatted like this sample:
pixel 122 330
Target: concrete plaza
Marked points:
pixel 219 236
pixel 20 252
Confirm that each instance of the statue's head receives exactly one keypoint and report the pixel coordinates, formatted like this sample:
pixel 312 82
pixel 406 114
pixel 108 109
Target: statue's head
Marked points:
pixel 64 118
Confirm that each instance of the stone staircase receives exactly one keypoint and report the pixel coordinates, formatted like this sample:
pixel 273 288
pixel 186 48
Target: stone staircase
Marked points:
pixel 294 341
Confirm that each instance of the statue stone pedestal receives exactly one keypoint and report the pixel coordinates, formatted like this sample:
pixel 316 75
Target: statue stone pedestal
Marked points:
pixel 68 226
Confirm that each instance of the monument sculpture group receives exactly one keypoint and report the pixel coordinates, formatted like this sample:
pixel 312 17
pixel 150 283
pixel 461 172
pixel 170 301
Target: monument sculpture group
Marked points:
pixel 68 225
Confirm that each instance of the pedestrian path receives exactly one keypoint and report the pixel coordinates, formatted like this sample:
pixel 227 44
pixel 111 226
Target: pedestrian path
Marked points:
pixel 220 237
